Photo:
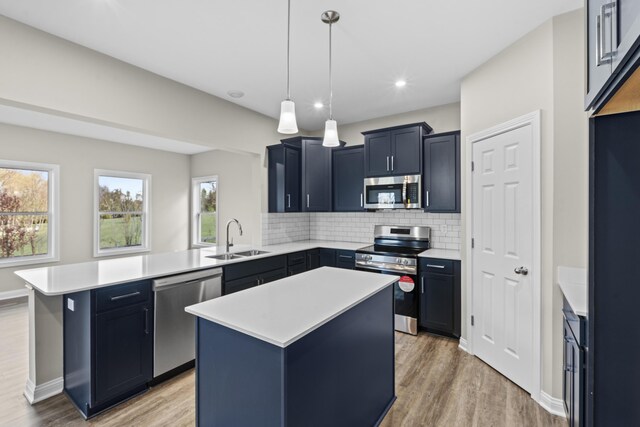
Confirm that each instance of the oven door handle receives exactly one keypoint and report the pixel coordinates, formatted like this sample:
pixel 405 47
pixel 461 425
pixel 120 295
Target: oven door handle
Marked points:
pixel 381 266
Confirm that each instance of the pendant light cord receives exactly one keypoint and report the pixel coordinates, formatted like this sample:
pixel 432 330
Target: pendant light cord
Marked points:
pixel 330 78
pixel 288 43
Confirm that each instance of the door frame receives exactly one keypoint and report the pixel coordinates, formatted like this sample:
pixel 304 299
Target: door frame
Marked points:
pixel 532 119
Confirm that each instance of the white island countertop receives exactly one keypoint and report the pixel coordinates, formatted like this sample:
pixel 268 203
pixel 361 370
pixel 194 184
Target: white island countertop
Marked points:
pixel 70 278
pixel 284 311
pixel 573 283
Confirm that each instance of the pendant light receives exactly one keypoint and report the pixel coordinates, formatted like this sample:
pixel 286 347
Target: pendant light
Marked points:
pixel 288 122
pixel 330 127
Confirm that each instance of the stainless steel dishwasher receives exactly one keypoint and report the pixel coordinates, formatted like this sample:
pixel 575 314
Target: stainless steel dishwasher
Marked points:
pixel 174 329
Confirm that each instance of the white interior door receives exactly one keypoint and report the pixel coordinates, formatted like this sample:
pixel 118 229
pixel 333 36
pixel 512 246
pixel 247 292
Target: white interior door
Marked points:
pixel 503 252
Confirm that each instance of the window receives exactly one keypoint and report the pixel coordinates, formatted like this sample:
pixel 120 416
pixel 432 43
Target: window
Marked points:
pixel 204 224
pixel 28 213
pixel 122 202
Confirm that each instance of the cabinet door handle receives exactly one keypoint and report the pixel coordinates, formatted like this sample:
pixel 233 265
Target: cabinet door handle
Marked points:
pixel 307 200
pixel 146 321
pixel 435 266
pixel 602 56
pixel 427 198
pixel 387 163
pixel 288 200
pixel 422 285
pixel 391 162
pixel 119 297
pixel 361 200
pixel 345 256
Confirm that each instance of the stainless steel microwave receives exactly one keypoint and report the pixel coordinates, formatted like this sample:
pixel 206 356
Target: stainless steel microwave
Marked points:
pixel 393 192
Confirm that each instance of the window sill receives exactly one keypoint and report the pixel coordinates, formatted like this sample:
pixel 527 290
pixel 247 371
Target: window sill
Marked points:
pixel 45 259
pixel 119 251
pixel 203 245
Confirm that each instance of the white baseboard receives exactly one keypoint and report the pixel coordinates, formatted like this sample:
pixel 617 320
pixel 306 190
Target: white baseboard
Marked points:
pixel 6 295
pixel 463 345
pixel 552 404
pixel 35 394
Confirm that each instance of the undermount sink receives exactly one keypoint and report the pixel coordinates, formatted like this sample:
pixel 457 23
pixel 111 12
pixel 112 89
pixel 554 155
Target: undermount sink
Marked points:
pixel 238 255
pixel 226 257
pixel 252 252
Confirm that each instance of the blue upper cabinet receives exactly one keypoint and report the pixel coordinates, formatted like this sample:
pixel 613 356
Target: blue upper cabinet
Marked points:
pixel 284 178
pixel 394 151
pixel 300 175
pixel 441 176
pixel 348 179
pixel 316 176
pixel 613 33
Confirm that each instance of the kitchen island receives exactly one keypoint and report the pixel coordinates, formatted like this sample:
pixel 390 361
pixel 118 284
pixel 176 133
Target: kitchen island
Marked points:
pixel 312 349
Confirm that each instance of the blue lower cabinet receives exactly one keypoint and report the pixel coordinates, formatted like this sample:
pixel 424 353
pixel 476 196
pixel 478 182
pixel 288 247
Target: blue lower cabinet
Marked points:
pixel 108 345
pixel 345 259
pixel 440 296
pixel 247 274
pixel 327 257
pixel 296 263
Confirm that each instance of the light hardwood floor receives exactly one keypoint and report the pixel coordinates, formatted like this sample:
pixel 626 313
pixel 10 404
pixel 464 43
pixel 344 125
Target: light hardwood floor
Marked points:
pixel 436 383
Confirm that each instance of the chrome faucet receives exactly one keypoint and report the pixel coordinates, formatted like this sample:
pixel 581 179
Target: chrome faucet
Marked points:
pixel 239 228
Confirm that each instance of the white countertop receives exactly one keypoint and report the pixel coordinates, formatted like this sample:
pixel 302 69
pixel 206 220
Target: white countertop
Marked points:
pixel 441 253
pixel 573 283
pixel 69 278
pixel 284 311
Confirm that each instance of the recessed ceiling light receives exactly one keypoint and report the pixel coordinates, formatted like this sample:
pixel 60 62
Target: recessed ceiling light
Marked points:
pixel 318 105
pixel 235 93
pixel 401 83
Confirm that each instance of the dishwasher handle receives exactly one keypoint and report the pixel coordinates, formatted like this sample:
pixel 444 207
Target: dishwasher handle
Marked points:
pixel 185 279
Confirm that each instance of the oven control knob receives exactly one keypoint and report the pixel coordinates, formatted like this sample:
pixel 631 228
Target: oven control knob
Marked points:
pixel 367 257
pixel 398 261
pixel 405 262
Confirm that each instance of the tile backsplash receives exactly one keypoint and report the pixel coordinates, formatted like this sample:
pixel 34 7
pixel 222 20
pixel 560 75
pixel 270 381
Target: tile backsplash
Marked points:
pixel 284 227
pixel 356 226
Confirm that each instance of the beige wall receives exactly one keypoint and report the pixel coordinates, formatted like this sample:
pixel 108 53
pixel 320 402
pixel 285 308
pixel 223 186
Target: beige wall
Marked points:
pixel 443 118
pixel 239 191
pixel 50 73
pixel 571 165
pixel 78 157
pixel 542 71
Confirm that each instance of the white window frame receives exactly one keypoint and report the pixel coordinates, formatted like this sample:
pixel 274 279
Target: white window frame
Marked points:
pixel 195 210
pixel 146 213
pixel 53 238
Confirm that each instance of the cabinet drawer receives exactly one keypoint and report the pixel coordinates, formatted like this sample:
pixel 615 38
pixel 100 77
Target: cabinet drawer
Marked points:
pixel 122 295
pixel 297 258
pixel 254 267
pixel 345 259
pixel 432 265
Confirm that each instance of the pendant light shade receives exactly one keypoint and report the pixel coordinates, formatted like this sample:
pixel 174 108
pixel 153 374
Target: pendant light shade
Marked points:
pixel 330 134
pixel 288 124
pixel 330 127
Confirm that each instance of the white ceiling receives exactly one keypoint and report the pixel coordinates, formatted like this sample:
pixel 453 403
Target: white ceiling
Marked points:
pixel 217 46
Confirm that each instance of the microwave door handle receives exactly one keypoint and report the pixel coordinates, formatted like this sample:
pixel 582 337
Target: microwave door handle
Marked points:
pixel 404 193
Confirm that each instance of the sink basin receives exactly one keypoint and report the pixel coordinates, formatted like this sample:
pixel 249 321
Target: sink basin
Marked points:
pixel 252 252
pixel 226 257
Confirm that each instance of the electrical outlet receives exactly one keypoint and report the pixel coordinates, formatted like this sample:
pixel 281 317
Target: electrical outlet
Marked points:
pixel 443 229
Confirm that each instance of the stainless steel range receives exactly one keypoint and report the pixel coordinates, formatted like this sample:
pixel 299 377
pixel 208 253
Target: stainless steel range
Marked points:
pixel 395 251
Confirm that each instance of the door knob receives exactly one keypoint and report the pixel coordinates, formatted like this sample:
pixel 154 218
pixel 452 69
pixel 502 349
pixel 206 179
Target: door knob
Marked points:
pixel 521 270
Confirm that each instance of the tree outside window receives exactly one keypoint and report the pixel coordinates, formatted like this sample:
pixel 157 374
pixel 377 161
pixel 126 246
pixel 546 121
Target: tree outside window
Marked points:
pixel 205 211
pixel 27 223
pixel 122 200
